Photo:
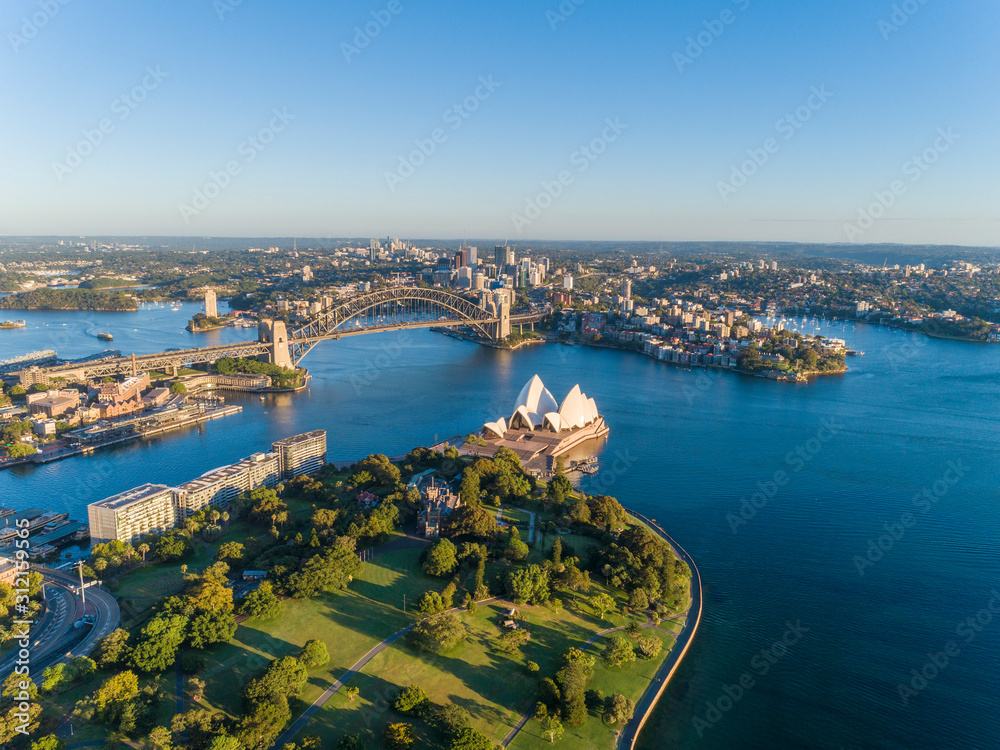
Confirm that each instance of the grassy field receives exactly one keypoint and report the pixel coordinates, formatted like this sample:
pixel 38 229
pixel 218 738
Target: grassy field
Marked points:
pixel 349 623
pixel 495 688
pixel 594 734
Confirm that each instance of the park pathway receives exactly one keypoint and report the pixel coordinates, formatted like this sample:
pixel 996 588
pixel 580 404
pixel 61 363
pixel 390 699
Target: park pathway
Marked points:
pixel 403 542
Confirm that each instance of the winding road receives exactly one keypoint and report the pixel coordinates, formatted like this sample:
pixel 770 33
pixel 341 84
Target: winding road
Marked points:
pixel 54 632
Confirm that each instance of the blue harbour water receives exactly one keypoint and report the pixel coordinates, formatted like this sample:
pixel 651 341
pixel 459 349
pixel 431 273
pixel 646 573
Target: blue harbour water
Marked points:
pixel 851 454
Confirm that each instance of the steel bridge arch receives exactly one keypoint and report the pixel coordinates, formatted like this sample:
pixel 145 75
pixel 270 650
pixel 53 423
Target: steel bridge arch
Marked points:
pixel 327 323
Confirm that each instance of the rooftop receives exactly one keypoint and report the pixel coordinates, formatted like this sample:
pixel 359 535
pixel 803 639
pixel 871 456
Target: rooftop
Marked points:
pixel 296 439
pixel 137 494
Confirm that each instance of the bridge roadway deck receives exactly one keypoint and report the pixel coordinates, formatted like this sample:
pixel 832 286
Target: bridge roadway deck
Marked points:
pixel 168 360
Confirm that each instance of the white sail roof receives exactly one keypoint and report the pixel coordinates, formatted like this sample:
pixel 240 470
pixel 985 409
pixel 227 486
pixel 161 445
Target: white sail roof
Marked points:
pixel 535 397
pixel 573 409
pixel 554 422
pixel 498 428
pixel 537 409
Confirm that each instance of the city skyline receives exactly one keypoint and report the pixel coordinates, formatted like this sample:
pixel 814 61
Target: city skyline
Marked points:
pixel 718 121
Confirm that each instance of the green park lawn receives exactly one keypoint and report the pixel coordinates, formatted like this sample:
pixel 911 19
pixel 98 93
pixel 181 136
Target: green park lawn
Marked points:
pixel 594 734
pixel 495 688
pixel 349 623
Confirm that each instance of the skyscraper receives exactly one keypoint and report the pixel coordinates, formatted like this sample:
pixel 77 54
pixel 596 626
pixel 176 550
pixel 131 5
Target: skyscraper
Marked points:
pixel 504 256
pixel 211 304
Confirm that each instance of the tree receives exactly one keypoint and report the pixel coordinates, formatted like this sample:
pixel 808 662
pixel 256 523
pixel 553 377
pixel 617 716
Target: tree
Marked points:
pixel 178 388
pixel 750 360
pixel 649 646
pixel 314 654
pixel 113 695
pixel 577 669
pixel 580 512
pixel 618 709
pixel 261 603
pixel 470 487
pixel 225 742
pixel 511 640
pixel 53 677
pixel 605 511
pixel 470 521
pixel 158 739
pixel 261 727
pixel 325 519
pixel 411 700
pixel 552 729
pixel 352 693
pixel 196 687
pixel 399 735
pixel 439 633
pixel 334 568
pixel 602 603
pixel 515 550
pixel 158 643
pixel 21 450
pixel 450 718
pixel 143 550
pixel 430 603
pixel 171 546
pixel 264 505
pixel 559 490
pixel 468 738
pixel 230 551
pixel 557 552
pixel 638 601
pixel 48 742
pixel 528 585
pixel 209 628
pixel 381 469
pixel 284 678
pixel 81 668
pixel 618 652
pixel 112 649
pixel 441 559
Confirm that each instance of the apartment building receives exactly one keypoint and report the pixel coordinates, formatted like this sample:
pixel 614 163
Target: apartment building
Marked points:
pixel 156 507
pixel 301 454
pixel 221 486
pixel 130 515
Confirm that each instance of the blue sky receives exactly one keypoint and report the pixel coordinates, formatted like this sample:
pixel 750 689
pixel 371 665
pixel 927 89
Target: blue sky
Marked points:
pixel 695 91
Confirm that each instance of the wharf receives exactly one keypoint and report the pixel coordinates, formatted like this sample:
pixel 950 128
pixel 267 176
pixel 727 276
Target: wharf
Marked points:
pixel 67 450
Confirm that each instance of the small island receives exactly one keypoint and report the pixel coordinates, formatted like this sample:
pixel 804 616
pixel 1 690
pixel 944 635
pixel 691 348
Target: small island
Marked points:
pixel 201 323
pixel 12 324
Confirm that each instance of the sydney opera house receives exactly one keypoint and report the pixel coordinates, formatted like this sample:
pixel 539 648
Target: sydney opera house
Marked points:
pixel 539 429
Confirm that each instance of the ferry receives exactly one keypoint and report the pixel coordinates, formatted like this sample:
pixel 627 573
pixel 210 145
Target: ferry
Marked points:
pixel 47 521
pixel 105 337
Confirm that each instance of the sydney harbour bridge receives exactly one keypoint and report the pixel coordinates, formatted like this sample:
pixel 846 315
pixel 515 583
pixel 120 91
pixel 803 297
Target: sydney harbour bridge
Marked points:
pixel 394 309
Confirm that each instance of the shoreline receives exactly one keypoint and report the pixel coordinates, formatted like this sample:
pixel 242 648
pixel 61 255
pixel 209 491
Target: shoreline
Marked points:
pixel 906 328
pixel 734 370
pixel 648 702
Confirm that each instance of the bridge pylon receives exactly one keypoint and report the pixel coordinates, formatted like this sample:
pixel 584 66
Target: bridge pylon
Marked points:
pixel 275 333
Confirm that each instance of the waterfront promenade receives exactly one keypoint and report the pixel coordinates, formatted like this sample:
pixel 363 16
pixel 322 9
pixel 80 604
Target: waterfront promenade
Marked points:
pixel 644 708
